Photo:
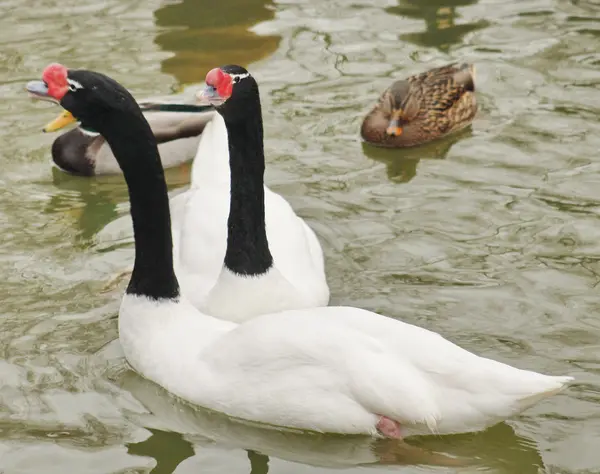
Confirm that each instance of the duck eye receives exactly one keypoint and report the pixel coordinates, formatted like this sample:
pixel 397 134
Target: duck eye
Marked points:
pixel 236 79
pixel 72 88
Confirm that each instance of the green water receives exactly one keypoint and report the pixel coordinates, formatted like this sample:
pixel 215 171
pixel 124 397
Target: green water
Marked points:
pixel 491 238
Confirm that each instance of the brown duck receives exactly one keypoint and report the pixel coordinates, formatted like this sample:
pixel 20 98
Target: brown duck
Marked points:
pixel 422 108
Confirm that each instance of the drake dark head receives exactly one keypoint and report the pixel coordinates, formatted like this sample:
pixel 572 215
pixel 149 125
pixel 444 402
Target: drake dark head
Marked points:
pixel 232 91
pixel 91 97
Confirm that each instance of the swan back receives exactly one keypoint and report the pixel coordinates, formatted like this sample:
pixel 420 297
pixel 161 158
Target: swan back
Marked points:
pixel 343 364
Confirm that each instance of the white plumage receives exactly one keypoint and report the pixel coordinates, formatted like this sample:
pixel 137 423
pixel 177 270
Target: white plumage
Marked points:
pixel 332 369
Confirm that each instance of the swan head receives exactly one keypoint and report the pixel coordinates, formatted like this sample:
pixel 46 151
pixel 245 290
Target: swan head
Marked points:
pixel 232 91
pixel 89 97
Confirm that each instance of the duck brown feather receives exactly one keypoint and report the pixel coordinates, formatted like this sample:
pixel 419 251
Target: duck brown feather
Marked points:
pixel 425 107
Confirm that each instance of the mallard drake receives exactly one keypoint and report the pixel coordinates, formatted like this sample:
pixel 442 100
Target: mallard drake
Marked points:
pixel 176 127
pixel 329 369
pixel 422 108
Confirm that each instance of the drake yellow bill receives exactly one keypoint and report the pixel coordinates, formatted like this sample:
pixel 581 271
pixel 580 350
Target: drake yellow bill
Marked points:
pixel 64 119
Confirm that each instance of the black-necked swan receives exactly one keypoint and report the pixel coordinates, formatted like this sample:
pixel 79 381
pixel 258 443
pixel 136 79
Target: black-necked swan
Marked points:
pixel 329 369
pixel 272 250
pixel 240 249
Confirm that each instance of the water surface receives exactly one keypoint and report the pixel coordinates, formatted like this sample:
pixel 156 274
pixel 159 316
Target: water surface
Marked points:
pixel 491 238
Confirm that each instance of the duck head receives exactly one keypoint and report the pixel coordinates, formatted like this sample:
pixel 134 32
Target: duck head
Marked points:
pixel 399 107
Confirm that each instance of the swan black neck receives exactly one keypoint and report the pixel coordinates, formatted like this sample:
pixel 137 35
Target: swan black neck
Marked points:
pixel 134 147
pixel 247 246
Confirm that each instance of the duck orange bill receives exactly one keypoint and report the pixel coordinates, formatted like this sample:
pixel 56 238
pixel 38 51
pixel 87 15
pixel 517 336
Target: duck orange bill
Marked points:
pixel 393 129
pixel 64 119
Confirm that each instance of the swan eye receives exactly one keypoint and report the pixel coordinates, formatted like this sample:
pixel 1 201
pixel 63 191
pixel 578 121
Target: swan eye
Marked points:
pixel 74 85
pixel 235 78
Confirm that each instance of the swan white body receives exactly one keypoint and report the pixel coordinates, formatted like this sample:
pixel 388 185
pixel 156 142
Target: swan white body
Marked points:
pixel 332 369
pixel 199 224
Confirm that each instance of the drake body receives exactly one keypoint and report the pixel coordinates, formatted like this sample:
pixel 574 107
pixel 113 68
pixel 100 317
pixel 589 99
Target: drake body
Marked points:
pixel 85 152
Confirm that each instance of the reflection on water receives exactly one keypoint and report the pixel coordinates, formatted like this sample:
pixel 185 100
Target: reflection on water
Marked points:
pixel 169 449
pixel 203 34
pixel 89 205
pixel 86 204
pixel 401 164
pixel 442 21
pixel 498 449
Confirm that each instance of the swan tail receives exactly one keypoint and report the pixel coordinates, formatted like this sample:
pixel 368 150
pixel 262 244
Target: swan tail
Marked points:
pixel 552 386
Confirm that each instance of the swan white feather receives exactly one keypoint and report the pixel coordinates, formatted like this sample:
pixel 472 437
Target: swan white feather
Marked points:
pixel 332 369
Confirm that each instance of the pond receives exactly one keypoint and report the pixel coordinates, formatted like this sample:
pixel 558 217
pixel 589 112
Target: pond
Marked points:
pixel 491 237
